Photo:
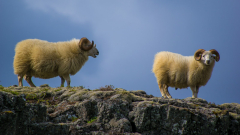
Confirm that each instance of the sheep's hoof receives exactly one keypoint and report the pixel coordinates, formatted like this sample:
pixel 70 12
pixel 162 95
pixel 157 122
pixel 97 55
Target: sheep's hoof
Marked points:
pixel 62 85
pixel 164 96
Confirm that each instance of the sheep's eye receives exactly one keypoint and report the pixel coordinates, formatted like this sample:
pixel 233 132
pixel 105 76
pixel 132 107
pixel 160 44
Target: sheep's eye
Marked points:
pixel 203 55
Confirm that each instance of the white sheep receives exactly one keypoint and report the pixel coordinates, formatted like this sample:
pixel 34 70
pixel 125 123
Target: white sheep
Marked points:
pixel 175 70
pixel 43 59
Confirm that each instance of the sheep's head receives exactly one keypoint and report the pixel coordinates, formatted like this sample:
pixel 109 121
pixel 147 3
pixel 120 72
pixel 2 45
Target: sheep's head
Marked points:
pixel 85 44
pixel 93 52
pixel 207 57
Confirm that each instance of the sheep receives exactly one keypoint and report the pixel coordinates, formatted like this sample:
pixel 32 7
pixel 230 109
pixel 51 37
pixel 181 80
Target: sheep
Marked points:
pixel 43 59
pixel 175 70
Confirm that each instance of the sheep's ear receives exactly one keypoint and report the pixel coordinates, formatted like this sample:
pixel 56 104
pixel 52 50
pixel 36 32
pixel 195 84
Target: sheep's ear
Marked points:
pixel 85 44
pixel 198 54
pixel 95 45
pixel 217 57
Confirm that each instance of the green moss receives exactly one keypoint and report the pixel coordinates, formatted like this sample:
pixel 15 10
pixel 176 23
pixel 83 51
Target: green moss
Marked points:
pixel 123 92
pixel 92 120
pixel 74 119
pixel 9 91
pixel 42 95
pixel 192 105
pixel 9 112
pixel 197 106
pixel 44 89
pixel 226 105
pixel 126 95
pixel 219 112
pixel 235 115
pixel 73 90
pixel 31 96
pixel 57 90
pixel 224 112
pixel 216 112
pixel 150 102
pixel 43 101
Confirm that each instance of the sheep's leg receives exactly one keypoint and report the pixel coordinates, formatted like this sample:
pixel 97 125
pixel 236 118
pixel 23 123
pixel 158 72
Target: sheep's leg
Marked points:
pixel 62 81
pixel 28 78
pixel 67 78
pixel 162 90
pixel 195 90
pixel 20 77
pixel 165 88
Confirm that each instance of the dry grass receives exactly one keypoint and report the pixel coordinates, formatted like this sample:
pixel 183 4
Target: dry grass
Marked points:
pixel 107 88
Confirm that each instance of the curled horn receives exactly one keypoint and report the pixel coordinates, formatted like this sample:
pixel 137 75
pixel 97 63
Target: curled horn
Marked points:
pixel 198 54
pixel 93 43
pixel 84 44
pixel 213 51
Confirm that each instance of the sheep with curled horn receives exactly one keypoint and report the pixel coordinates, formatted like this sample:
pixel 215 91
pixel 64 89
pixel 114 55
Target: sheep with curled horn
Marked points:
pixel 43 59
pixel 175 70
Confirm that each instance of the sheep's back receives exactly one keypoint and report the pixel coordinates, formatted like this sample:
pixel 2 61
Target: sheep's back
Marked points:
pixel 53 59
pixel 171 69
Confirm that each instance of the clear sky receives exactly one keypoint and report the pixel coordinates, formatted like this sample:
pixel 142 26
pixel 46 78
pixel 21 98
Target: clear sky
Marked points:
pixel 128 34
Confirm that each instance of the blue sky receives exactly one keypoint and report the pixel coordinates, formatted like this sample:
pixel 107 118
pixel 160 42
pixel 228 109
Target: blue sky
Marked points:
pixel 128 34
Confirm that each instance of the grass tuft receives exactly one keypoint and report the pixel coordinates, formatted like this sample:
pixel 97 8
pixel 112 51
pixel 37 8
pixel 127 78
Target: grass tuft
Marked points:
pixel 92 120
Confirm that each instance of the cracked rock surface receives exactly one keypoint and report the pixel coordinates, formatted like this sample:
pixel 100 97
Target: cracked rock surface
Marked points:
pixel 108 111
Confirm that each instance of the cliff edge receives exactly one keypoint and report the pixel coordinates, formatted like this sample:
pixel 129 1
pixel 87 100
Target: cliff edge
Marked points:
pixel 108 111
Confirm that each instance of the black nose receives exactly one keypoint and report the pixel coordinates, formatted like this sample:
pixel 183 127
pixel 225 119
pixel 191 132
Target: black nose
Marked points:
pixel 208 61
pixel 98 53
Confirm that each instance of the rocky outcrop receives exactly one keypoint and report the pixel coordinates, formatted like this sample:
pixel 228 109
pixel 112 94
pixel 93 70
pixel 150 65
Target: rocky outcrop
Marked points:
pixel 80 111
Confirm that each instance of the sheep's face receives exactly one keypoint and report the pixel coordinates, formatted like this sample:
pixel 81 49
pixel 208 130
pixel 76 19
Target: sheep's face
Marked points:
pixel 207 58
pixel 93 52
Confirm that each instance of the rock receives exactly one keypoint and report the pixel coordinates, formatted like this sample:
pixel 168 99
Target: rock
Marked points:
pixel 79 111
pixel 44 85
pixel 195 100
pixel 120 126
pixel 16 115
